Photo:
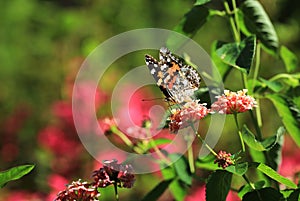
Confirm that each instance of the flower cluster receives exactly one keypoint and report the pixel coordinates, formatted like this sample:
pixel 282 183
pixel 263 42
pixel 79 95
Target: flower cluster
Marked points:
pixel 233 102
pixel 78 191
pixel 114 173
pixel 224 159
pixel 188 114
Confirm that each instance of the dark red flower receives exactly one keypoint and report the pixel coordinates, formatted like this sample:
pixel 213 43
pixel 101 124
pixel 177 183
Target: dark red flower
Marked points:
pixel 224 159
pixel 114 173
pixel 78 191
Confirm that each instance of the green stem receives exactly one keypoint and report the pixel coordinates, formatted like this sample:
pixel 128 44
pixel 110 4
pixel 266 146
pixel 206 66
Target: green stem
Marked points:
pixel 191 159
pixel 232 23
pixel 236 17
pixel 202 141
pixel 116 191
pixel 239 132
pixel 256 67
pixel 248 181
pixel 256 125
pixel 125 139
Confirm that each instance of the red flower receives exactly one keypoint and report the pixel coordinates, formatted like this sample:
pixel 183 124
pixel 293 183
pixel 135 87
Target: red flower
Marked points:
pixel 224 159
pixel 188 114
pixel 233 102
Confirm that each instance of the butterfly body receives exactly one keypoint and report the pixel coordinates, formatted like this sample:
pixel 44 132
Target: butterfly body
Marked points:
pixel 176 80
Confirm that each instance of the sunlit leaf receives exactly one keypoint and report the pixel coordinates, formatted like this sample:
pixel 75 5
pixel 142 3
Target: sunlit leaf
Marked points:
pixel 290 122
pixel 254 20
pixel 273 85
pixel 275 175
pixel 264 194
pixel 14 173
pixel 239 55
pixel 289 58
pixel 201 2
pixel 220 180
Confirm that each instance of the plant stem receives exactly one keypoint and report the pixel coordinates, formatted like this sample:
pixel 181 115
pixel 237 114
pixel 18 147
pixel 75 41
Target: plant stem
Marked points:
pixel 191 159
pixel 239 132
pixel 248 181
pixel 256 67
pixel 202 141
pixel 236 16
pixel 256 125
pixel 125 139
pixel 116 192
pixel 231 20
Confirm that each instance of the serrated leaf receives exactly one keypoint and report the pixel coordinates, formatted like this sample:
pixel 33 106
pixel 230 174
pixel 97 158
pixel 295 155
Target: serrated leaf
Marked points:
pixel 275 175
pixel 157 191
pixel 238 169
pixel 254 20
pixel 290 122
pixel 264 194
pixel 201 2
pixel 14 173
pixel 182 168
pixel 220 180
pixel 273 85
pixel 289 58
pixel 239 55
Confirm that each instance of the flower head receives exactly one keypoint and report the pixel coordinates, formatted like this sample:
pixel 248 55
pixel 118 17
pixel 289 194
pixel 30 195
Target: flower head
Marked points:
pixel 224 159
pixel 78 191
pixel 233 102
pixel 114 173
pixel 189 113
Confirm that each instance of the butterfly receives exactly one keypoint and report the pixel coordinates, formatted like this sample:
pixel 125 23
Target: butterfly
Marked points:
pixel 176 80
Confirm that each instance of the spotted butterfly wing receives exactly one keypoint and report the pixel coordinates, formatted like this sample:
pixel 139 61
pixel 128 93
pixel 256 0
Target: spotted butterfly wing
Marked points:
pixel 177 81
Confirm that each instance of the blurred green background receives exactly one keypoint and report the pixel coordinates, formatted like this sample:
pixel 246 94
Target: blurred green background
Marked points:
pixel 43 42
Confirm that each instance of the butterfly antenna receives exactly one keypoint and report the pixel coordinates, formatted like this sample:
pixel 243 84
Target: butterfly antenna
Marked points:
pixel 152 99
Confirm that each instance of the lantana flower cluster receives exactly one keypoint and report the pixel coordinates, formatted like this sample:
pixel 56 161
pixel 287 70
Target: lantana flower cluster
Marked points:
pixel 233 102
pixel 111 173
pixel 224 159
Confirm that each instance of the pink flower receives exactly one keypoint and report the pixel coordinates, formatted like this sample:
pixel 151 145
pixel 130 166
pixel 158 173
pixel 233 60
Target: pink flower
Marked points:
pixel 187 115
pixel 224 159
pixel 78 191
pixel 233 102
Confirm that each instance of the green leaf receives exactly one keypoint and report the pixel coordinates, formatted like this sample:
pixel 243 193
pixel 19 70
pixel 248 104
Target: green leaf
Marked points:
pixel 207 163
pixel 188 25
pixel 294 196
pixel 157 191
pixel 275 152
pixel 223 68
pixel 247 188
pixel 238 169
pixel 239 55
pixel 249 139
pixel 264 194
pixel 254 20
pixel 289 58
pixel 178 190
pixel 168 172
pixel 14 173
pixel 182 168
pixel 274 175
pixel 290 122
pixel 218 185
pixel 201 2
pixel 273 85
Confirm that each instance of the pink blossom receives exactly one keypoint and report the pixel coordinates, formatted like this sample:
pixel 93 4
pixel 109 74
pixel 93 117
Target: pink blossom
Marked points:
pixel 233 102
pixel 224 159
